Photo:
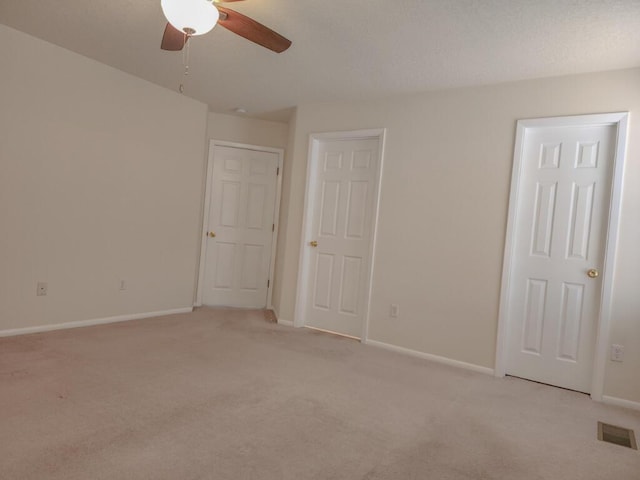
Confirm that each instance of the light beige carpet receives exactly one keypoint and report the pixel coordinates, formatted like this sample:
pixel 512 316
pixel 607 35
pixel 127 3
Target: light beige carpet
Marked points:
pixel 223 394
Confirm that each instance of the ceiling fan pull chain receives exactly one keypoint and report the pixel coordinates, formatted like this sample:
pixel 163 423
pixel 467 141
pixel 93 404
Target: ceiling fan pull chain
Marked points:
pixel 185 62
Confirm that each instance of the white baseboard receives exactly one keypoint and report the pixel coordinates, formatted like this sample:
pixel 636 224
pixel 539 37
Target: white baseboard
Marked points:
pixel 620 402
pixel 429 356
pixel 94 321
pixel 280 321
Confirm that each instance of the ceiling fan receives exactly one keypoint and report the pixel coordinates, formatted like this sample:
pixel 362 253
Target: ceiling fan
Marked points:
pixel 188 18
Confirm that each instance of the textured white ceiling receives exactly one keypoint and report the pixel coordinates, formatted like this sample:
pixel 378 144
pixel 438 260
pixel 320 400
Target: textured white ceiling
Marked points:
pixel 348 50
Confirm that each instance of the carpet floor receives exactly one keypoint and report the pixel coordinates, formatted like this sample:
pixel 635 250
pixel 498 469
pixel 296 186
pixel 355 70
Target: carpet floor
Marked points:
pixel 226 394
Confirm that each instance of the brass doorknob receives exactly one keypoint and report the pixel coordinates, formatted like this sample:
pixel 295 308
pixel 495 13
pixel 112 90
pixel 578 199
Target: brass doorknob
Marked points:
pixel 313 243
pixel 212 235
pixel 592 273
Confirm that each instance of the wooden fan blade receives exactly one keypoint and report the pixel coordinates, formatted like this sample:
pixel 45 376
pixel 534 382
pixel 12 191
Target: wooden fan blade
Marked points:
pixel 173 39
pixel 252 30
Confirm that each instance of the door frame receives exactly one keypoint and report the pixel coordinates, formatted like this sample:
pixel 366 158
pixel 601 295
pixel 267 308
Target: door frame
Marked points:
pixel 620 120
pixel 315 140
pixel 207 207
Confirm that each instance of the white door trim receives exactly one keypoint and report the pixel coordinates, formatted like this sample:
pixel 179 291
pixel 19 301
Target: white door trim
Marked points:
pixel 620 120
pixel 207 205
pixel 305 255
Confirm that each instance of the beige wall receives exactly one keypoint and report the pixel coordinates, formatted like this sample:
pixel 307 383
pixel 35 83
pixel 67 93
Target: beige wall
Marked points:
pixel 443 212
pixel 100 180
pixel 249 131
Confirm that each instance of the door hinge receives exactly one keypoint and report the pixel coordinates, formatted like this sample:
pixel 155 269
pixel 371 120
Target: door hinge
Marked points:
pixel 277 171
pixel 273 227
pixel 268 283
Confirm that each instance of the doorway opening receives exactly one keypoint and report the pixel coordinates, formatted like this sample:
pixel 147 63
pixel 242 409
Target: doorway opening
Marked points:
pixel 344 171
pixel 240 225
pixel 560 248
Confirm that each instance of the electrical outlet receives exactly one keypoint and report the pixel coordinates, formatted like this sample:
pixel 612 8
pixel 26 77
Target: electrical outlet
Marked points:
pixel 617 353
pixel 123 285
pixel 394 311
pixel 42 289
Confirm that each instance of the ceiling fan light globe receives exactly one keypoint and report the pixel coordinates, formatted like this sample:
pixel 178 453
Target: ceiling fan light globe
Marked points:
pixel 199 16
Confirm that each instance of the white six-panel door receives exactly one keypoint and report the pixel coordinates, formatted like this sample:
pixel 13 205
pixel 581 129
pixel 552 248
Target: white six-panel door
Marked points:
pixel 341 234
pixel 240 227
pixel 561 227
